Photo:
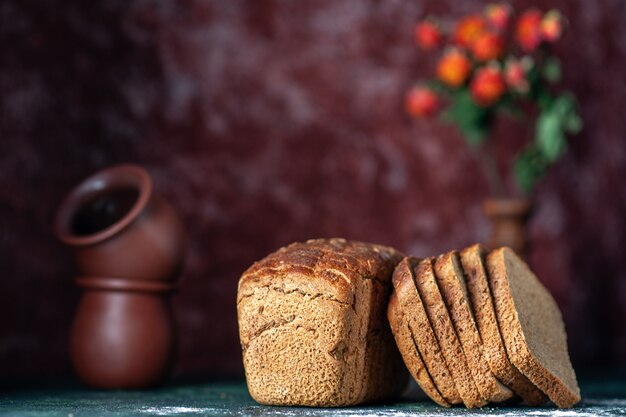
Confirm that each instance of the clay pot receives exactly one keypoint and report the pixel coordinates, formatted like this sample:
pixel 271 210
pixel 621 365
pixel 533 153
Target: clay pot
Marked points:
pixel 123 334
pixel 118 227
pixel 509 218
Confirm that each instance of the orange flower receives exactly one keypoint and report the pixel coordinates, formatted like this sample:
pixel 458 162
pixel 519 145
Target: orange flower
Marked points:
pixel 453 68
pixel 427 35
pixel 498 15
pixel 552 25
pixel 421 101
pixel 515 73
pixel 468 30
pixel 488 85
pixel 487 47
pixel 528 31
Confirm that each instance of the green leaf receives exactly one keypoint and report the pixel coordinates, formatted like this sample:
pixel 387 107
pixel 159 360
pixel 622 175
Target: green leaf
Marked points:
pixel 549 136
pixel 473 121
pixel 529 168
pixel 552 70
pixel 564 104
pixel 474 134
pixel 573 123
pixel 554 121
pixel 508 107
pixel 437 86
pixel 544 98
pixel 565 107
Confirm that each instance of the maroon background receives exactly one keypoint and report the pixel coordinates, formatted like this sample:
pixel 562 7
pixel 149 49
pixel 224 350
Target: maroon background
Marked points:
pixel 265 122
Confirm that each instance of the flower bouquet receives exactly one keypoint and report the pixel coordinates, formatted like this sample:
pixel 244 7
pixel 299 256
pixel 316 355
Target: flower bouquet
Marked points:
pixel 494 64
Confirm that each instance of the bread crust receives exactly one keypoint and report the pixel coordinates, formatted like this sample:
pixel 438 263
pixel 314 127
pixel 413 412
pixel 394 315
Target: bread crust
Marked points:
pixel 451 282
pixel 439 319
pixel 313 326
pixel 532 327
pixel 473 262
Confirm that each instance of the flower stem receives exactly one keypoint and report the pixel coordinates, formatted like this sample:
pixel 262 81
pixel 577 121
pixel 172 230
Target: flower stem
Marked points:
pixel 486 158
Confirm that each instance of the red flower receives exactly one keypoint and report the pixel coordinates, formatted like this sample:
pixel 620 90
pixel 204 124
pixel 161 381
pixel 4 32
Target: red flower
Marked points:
pixel 468 30
pixel 528 30
pixel 552 26
pixel 427 35
pixel 453 68
pixel 487 47
pixel 516 72
pixel 421 101
pixel 488 85
pixel 498 15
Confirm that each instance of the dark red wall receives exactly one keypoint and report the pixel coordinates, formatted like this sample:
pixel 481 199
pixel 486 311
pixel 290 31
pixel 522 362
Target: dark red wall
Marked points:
pixel 265 122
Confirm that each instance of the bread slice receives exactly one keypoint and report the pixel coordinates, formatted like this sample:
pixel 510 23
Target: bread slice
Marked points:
pixel 451 281
pixel 313 325
pixel 444 330
pixel 532 327
pixel 406 301
pixel 409 351
pixel 472 260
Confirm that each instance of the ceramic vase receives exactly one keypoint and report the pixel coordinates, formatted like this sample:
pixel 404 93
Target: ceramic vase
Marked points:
pixel 118 227
pixel 129 246
pixel 509 219
pixel 123 333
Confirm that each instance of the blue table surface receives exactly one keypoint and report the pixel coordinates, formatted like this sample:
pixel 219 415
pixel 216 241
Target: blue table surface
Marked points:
pixel 601 396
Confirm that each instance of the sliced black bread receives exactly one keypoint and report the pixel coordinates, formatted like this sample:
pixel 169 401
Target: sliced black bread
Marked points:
pixel 473 262
pixel 441 323
pixel 406 301
pixel 451 281
pixel 532 327
pixel 409 351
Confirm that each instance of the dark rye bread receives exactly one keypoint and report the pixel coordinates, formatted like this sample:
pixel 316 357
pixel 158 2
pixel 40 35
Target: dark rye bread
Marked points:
pixel 406 301
pixel 472 260
pixel 451 281
pixel 313 326
pixel 409 351
pixel 532 327
pixel 441 323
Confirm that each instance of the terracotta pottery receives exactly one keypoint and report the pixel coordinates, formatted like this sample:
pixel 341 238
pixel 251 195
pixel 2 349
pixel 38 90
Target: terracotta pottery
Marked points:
pixel 118 227
pixel 123 334
pixel 508 218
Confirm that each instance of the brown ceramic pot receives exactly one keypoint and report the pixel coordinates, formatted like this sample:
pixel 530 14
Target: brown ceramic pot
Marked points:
pixel 509 218
pixel 118 227
pixel 123 334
